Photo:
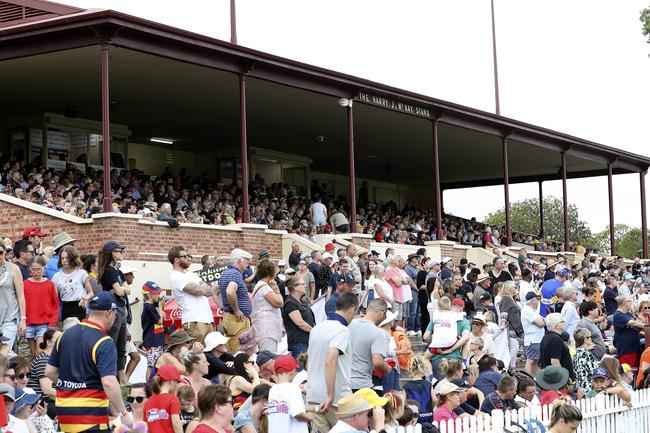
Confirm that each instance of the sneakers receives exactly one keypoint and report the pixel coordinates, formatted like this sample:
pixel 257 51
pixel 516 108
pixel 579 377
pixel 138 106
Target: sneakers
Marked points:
pixel 413 333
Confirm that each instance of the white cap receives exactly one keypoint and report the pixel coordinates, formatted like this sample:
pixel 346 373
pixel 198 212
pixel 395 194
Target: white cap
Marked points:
pixel 390 316
pixel 431 263
pixel 282 263
pixel 214 339
pixel 445 260
pixel 126 269
pixel 290 271
pixel 238 254
pixel 327 256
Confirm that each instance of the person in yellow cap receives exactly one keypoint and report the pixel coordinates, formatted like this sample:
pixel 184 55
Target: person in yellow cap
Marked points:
pixel 361 412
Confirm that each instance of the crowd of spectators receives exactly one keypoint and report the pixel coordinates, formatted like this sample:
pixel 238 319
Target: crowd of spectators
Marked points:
pixel 182 198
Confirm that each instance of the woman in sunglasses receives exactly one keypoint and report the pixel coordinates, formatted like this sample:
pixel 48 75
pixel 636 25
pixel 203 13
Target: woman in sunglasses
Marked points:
pixel 137 398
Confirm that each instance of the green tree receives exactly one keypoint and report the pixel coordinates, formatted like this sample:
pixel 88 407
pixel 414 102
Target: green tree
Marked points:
pixel 524 217
pixel 645 20
pixel 628 240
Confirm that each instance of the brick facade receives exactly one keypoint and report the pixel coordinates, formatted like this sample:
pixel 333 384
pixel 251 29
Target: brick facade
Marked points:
pixel 145 240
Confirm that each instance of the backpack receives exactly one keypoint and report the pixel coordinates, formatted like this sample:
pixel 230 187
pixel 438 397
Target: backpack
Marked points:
pixel 403 343
pixel 420 391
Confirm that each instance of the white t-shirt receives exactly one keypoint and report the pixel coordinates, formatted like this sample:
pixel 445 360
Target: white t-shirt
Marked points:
pixel 16 425
pixel 406 289
pixel 285 402
pixel 386 289
pixel 195 308
pixel 533 334
pixel 445 329
pixel 318 212
pixel 70 286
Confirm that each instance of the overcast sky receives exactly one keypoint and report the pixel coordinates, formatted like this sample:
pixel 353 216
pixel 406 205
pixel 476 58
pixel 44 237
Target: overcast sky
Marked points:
pixel 579 67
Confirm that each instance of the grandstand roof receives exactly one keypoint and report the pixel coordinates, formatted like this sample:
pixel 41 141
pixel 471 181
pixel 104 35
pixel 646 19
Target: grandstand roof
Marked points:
pixel 171 82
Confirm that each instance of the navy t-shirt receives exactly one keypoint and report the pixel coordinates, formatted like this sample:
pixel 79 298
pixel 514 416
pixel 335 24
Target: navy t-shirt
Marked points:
pixel 626 338
pixel 110 277
pixel 609 297
pixel 153 334
pixel 330 305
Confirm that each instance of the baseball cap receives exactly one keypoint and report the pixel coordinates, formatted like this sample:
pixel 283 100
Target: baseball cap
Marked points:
pixel 284 364
pixel 151 287
pixel 448 388
pixel 625 368
pixel 282 263
pixel 329 246
pixel 214 339
pixel 29 231
pixel 485 297
pixel 445 260
pixel 264 356
pixel 475 271
pixel 530 295
pixel 168 372
pixel 346 278
pixel 103 301
pixel 627 276
pixel 7 390
pixel 458 301
pixel 290 271
pixel 327 256
pixel 600 372
pixel 563 271
pixel 112 245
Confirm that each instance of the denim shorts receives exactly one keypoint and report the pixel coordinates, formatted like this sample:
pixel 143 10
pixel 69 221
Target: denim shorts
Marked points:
pixel 34 331
pixel 532 351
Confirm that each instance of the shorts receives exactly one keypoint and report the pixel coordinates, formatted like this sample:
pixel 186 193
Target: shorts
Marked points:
pixel 153 353
pixel 532 351
pixel 130 347
pixel 32 332
pixel 345 228
pixel 319 222
pixel 404 310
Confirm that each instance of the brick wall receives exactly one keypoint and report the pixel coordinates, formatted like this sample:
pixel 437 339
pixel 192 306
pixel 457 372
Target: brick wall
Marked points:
pixel 145 240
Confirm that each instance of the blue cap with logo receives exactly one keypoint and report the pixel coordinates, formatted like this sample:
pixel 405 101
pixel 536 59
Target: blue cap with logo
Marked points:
pixel 103 301
pixel 346 277
pixel 600 372
pixel 563 271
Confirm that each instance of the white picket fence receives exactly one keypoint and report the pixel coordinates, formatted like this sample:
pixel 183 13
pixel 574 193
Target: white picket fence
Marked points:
pixel 602 414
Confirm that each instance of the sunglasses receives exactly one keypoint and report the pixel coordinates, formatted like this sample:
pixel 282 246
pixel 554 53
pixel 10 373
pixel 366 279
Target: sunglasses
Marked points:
pixel 138 399
pixel 22 376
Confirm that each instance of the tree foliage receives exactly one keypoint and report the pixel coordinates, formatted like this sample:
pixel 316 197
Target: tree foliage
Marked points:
pixel 524 217
pixel 628 240
pixel 645 20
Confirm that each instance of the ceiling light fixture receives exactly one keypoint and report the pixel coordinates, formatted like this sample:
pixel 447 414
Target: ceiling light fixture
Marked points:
pixel 162 140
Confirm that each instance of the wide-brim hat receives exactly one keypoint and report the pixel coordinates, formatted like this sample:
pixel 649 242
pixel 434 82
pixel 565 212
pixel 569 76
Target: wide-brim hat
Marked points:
pixel 178 337
pixel 552 377
pixel 390 316
pixel 247 340
pixel 482 277
pixel 61 240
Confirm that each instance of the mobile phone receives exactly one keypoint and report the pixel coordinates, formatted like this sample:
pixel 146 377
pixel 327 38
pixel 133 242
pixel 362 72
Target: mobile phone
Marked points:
pixel 317 408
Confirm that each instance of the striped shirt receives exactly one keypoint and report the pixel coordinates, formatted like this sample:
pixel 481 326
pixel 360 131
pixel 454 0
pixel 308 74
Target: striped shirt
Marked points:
pixel 83 354
pixel 243 301
pixel 37 366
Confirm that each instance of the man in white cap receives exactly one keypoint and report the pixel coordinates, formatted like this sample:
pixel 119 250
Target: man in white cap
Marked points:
pixel 237 307
pixel 447 268
pixel 191 294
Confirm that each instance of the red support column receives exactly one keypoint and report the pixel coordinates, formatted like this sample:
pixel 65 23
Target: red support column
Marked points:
pixel 644 221
pixel 541 210
pixel 565 203
pixel 106 131
pixel 246 217
pixel 610 192
pixel 497 108
pixel 506 192
pixel 233 23
pixel 436 180
pixel 353 183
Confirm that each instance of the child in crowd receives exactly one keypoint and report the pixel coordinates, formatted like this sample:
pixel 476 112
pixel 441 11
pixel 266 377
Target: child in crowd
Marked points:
pixel 445 329
pixel 186 395
pixel 42 305
pixel 162 410
pixel 153 336
pixel 286 411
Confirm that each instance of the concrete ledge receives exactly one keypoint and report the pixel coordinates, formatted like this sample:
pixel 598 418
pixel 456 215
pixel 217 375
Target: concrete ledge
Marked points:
pixel 116 215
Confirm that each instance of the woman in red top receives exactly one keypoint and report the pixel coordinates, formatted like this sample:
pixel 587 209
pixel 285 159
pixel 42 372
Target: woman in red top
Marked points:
pixel 215 405
pixel 162 410
pixel 41 305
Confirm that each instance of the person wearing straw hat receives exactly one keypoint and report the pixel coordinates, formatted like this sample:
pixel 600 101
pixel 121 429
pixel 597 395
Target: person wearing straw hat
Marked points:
pixel 482 288
pixel 178 340
pixel 360 412
pixel 58 242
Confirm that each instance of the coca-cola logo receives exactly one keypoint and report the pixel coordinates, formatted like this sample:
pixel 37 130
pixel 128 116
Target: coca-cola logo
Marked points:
pixel 175 314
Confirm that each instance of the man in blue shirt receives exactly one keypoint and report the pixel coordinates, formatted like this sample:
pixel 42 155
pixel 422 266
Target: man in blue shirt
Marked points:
pixel 549 290
pixel 237 306
pixel 344 283
pixel 626 332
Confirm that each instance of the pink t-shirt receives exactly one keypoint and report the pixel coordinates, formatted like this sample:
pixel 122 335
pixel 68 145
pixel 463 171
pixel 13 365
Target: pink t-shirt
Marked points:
pixel 389 274
pixel 443 413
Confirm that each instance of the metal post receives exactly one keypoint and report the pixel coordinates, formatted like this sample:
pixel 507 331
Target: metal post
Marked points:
pixel 233 23
pixel 565 203
pixel 436 180
pixel 494 61
pixel 106 132
pixel 246 217
pixel 610 190
pixel 506 192
pixel 541 210
pixel 644 221
pixel 353 183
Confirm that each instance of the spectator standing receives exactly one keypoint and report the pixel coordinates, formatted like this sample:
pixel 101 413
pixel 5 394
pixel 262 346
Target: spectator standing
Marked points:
pixel 153 332
pixel 626 332
pixel 533 325
pixel 509 306
pixel 35 236
pixel 191 294
pixel 266 318
pixel 447 269
pixel 549 291
pixel 498 274
pixel 113 281
pixel 12 300
pixel 310 282
pixel 298 318
pixel 591 313
pixel 609 296
pixel 237 306
pixel 58 242
pixel 294 257
pixel 315 268
pixel 318 214
pixel 340 222
pixel 344 283
pixel 24 253
pixel 569 309
pixel 286 411
pixel 41 303
pixel 329 357
pixel 72 284
pixel 369 349
pixel 82 364
pixel 552 349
